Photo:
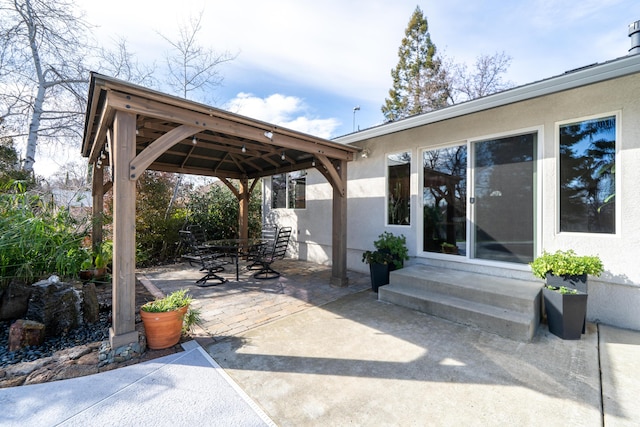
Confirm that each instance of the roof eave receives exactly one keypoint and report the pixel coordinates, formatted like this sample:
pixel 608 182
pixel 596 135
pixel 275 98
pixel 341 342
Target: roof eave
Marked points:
pixel 570 80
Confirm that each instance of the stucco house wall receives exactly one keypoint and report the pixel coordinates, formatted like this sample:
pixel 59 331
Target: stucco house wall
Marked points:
pixel 614 298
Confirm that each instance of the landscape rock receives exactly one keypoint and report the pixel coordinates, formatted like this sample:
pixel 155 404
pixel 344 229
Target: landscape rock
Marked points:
pixel 56 304
pixel 14 300
pixel 90 306
pixel 24 333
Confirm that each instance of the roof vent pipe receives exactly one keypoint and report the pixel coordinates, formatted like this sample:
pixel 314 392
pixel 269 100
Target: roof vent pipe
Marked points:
pixel 634 33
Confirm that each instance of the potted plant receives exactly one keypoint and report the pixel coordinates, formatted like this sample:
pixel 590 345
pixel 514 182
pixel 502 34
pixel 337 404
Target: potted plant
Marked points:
pixel 96 262
pixel 390 254
pixel 449 248
pixel 565 291
pixel 165 319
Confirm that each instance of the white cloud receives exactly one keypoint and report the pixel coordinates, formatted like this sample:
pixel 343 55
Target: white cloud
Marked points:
pixel 286 111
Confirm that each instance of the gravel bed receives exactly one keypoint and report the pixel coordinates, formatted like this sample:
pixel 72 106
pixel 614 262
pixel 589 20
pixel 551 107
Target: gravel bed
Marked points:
pixel 85 334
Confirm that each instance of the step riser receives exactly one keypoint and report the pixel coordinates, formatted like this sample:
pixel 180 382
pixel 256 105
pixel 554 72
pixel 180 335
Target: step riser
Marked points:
pixel 503 306
pixel 476 294
pixel 519 331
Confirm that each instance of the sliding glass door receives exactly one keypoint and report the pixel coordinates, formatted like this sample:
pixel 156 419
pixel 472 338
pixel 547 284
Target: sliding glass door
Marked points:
pixel 503 199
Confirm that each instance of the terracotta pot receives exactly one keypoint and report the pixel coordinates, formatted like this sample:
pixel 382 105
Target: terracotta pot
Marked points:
pixel 163 330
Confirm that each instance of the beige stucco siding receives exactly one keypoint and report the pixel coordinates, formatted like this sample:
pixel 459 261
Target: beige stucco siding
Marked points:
pixel 620 284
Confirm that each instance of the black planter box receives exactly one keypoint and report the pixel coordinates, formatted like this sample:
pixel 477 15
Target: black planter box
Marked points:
pixel 571 282
pixel 379 275
pixel 566 313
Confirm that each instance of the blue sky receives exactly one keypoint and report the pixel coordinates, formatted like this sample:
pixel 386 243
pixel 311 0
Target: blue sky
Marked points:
pixel 305 64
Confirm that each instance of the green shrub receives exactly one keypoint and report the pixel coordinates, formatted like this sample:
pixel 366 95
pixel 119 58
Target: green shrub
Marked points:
pixel 216 210
pixel 566 263
pixel 391 249
pixel 37 239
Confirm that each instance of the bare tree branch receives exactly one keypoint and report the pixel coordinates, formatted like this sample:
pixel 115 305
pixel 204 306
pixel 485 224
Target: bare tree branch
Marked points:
pixel 44 47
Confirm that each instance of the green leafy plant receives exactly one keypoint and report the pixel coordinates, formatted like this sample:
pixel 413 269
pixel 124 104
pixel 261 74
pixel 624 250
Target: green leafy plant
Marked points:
pixel 103 255
pixel 563 290
pixel 36 238
pixel 566 263
pixel 390 249
pixel 172 302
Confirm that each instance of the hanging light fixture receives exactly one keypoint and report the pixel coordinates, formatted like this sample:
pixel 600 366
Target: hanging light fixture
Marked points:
pixel 194 141
pixel 244 148
pixel 313 162
pixel 283 156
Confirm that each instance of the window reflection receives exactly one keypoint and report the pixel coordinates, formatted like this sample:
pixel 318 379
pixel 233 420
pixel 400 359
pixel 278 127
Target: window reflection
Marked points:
pixel 399 189
pixel 289 190
pixel 445 200
pixel 587 176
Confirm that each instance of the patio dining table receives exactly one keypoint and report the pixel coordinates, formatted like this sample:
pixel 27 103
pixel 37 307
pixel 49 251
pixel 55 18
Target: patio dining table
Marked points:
pixel 234 247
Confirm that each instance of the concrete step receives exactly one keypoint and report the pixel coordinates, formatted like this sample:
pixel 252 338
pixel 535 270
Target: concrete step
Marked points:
pixel 507 307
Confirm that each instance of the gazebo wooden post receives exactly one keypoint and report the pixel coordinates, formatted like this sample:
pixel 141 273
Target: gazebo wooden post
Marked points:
pixel 339 229
pixel 243 214
pixel 97 191
pixel 122 331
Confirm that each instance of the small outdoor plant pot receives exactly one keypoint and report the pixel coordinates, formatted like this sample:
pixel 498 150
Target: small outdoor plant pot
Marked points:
pixel 565 293
pixel 166 318
pixel 566 313
pixel 390 253
pixel 570 281
pixel 379 275
pixel 163 330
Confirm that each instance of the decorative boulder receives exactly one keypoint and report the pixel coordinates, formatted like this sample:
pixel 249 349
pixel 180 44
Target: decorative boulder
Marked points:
pixel 14 300
pixel 56 304
pixel 23 333
pixel 90 306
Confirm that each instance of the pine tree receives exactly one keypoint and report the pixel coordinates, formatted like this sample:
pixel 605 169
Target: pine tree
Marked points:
pixel 420 82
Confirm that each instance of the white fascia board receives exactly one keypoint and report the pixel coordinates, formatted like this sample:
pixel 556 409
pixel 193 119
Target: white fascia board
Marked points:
pixel 570 80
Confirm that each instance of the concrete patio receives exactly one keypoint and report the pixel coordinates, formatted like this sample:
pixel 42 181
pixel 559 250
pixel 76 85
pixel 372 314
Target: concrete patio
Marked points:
pixel 311 354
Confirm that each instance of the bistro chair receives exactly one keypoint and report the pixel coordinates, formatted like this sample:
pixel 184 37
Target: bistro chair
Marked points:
pixel 209 262
pixel 270 254
pixel 268 238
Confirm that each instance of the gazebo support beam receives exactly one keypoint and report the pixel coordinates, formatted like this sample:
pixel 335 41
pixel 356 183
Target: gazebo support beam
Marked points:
pixel 339 228
pixel 123 331
pixel 97 191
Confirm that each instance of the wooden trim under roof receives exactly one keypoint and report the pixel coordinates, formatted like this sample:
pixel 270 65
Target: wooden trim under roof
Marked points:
pixel 226 145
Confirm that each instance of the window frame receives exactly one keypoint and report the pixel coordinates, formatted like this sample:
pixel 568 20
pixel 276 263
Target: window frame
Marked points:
pixel 617 115
pixel 288 180
pixel 387 189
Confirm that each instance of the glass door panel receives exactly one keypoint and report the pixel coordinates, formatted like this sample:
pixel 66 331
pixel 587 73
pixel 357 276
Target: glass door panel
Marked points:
pixel 503 199
pixel 444 195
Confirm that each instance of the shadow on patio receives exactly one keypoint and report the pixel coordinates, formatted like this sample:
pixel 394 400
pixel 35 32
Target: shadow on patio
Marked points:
pixel 355 360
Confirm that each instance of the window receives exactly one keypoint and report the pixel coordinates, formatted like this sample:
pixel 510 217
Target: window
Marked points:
pixel 587 176
pixel 444 195
pixel 289 190
pixel 398 188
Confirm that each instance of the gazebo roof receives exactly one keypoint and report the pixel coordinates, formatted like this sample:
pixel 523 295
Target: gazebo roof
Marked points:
pixel 227 145
pixel 133 129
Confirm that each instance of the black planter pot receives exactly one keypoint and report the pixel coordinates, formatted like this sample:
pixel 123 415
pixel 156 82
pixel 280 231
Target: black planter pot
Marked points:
pixel 379 275
pixel 571 282
pixel 566 313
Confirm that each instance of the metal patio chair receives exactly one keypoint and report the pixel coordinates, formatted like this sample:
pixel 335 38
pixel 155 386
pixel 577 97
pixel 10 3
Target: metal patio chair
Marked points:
pixel 208 261
pixel 271 254
pixel 268 238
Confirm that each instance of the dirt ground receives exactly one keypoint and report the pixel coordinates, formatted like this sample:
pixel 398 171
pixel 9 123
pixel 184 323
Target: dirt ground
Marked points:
pixel 83 359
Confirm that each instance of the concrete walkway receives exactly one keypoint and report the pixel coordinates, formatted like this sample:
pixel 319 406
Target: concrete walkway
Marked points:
pixel 343 358
pixel 357 361
pixel 181 389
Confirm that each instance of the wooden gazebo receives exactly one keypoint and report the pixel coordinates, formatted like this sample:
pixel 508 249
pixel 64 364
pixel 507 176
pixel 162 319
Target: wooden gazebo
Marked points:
pixel 132 129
